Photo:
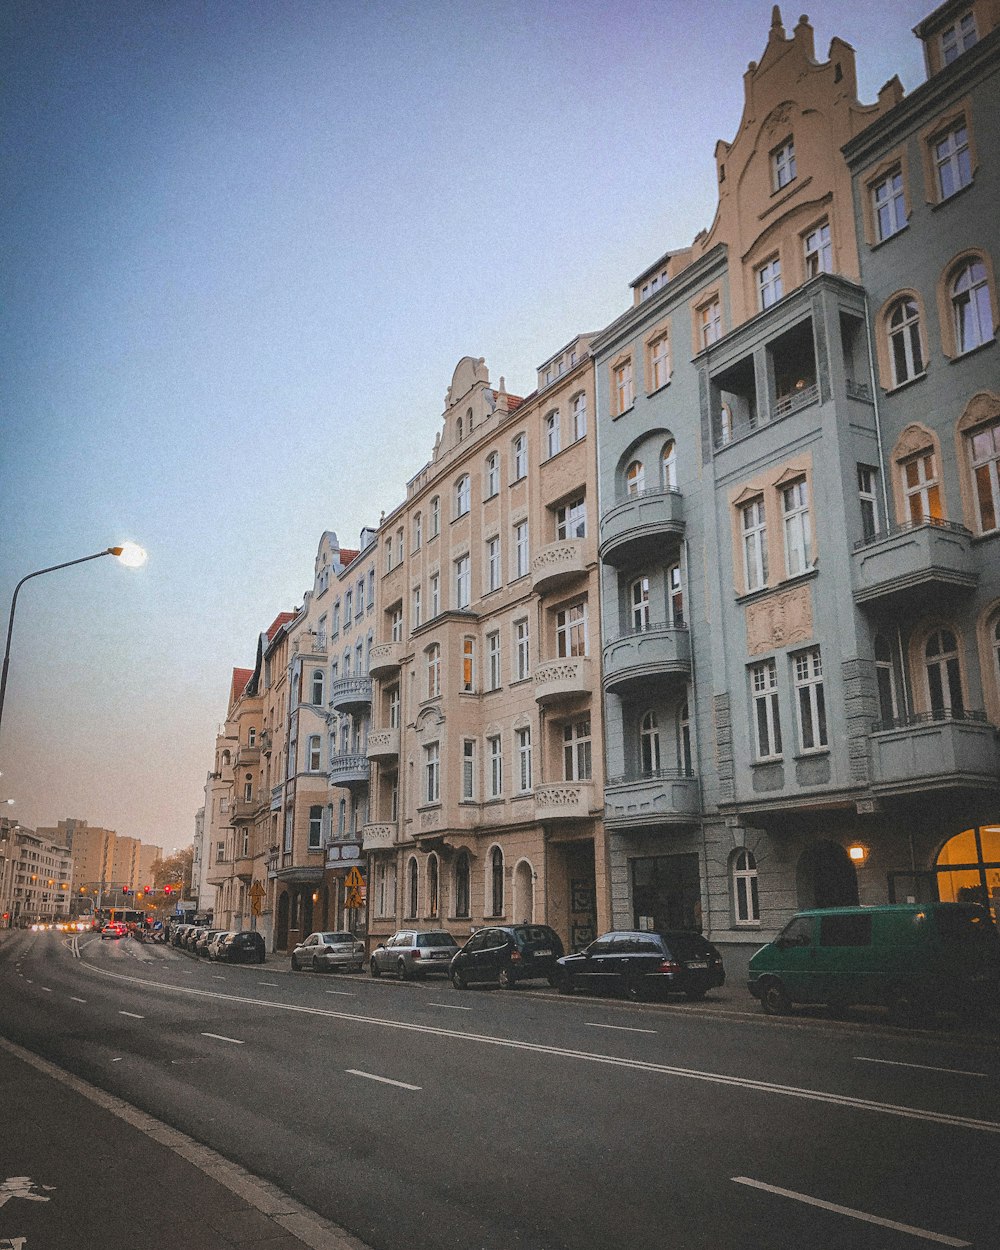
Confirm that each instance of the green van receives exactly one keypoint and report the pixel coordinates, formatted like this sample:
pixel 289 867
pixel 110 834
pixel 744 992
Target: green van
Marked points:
pixel 913 958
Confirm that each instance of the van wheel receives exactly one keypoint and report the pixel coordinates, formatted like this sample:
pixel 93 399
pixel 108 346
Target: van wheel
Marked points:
pixel 774 999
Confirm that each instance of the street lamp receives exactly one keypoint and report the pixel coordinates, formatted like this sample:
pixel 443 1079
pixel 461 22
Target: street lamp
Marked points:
pixel 131 555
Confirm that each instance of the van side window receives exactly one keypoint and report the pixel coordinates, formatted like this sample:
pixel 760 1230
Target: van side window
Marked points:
pixel 797 932
pixel 850 930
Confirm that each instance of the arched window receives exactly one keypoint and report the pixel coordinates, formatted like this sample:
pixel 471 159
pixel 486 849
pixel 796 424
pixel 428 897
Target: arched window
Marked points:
pixel 553 439
pixel 746 901
pixel 496 882
pixel 317 686
pixel 435 516
pixel 492 474
pixel 463 874
pixel 227 759
pixel 635 478
pixel 640 604
pixel 921 487
pixel 462 495
pixel 970 303
pixel 433 894
pixel 684 740
pixel 459 426
pixel 944 675
pixel 668 465
pixel 247 788
pixel 905 351
pixel 649 744
pixel 984 451
pixel 411 889
pixel 885 676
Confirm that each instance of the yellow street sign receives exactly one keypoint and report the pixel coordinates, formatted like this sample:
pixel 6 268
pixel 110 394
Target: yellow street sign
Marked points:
pixel 256 891
pixel 353 899
pixel 255 905
pixel 354 879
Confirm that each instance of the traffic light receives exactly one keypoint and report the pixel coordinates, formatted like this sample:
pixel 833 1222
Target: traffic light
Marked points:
pixel 126 890
pixel 168 889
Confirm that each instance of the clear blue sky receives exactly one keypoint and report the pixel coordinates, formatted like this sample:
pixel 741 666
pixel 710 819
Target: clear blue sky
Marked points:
pixel 245 244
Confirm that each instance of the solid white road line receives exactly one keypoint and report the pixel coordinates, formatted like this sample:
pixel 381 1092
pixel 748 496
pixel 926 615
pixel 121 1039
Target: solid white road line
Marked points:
pixel 924 1067
pixel 219 1038
pixel 837 1209
pixel 267 982
pixel 587 1056
pixel 450 1006
pixel 340 993
pixel 132 1014
pixel 384 1080
pixel 74 999
pixel 621 1028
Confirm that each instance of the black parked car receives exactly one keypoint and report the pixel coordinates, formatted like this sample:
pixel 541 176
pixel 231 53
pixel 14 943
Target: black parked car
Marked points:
pixel 244 947
pixel 507 954
pixel 640 965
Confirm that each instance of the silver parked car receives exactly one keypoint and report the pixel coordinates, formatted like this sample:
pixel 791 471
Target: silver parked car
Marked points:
pixel 323 952
pixel 414 953
pixel 216 941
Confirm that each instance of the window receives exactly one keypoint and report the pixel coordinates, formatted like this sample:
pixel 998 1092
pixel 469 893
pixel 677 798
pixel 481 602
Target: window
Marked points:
pixel 411 889
pixel 571 631
pixel 668 465
pixel 492 474
pixel 659 362
pixel 435 517
pixel 433 887
pixel 462 580
pixel 496 882
pixel 811 699
pixel 314 753
pixel 335 628
pixel 684 740
pixel 921 489
pixel 754 544
pixel 649 744
pixel 710 320
pixel 885 679
pixel 371 588
pixel 522 659
pixel 396 625
pixel 640 604
pixel 435 588
pixel 521 549
pixel 418 531
pixel 970 302
pixel 944 677
pixel 463 891
pixel 958 38
pixel 252 731
pixel 317 687
pixel 394 708
pixel 496 766
pixel 248 789
pixel 905 351
pixel 460 429
pixel 767 718
pixel 576 751
pixel 889 205
pixel 746 902
pixel 433 671
pixel 463 495
pixel 795 510
pixel 819 251
pixel 579 409
pixel 468 770
pixel 388 555
pixel 552 443
pixel 468 664
pixel 493 563
pixel 868 499
pixel 769 283
pixel 952 161
pixel 984 447
pixel 432 773
pixel 348 609
pixel 675 595
pixel 417 619
pixel 635 478
pixel 523 740
pixel 315 828
pixel 520 456
pixel 783 165
pixel 571 520
pixel 493 660
pixel 624 390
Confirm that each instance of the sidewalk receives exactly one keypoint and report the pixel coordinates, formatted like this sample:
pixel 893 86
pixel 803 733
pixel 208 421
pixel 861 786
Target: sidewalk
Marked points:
pixel 80 1170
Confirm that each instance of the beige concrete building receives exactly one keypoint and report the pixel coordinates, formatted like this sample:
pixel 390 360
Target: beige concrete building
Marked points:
pixel 148 855
pixel 486 710
pixel 93 852
pixel 37 875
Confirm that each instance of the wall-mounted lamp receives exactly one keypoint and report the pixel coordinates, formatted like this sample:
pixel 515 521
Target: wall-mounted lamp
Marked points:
pixel 857 853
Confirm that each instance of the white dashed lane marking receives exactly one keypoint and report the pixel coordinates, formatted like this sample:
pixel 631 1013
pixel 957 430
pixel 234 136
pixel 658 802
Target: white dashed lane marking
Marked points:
pixel 383 1080
pixel 924 1067
pixel 219 1038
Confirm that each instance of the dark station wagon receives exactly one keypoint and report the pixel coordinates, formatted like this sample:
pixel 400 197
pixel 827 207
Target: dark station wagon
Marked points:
pixel 642 964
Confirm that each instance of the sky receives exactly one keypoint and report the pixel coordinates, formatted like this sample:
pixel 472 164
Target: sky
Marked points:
pixel 246 242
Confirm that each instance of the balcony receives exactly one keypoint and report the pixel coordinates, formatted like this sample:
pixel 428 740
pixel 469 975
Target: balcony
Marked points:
pixel 651 654
pixel 668 796
pixel 219 872
pixel 558 564
pixel 912 559
pixel 385 660
pixel 350 694
pixel 349 770
pixel 935 750
pixel 557 681
pixel 636 527
pixel 243 867
pixel 378 837
pixel 247 755
pixel 383 744
pixel 564 800
pixel 244 810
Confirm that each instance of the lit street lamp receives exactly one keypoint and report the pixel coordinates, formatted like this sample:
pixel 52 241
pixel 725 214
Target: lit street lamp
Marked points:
pixel 130 555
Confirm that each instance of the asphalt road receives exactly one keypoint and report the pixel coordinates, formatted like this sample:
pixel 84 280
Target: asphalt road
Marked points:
pixel 418 1117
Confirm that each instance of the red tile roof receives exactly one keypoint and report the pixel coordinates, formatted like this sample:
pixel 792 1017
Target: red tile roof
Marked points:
pixel 347 556
pixel 240 678
pixel 281 619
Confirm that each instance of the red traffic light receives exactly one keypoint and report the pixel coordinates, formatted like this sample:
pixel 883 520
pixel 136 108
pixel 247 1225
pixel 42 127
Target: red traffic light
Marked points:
pixel 168 889
pixel 125 889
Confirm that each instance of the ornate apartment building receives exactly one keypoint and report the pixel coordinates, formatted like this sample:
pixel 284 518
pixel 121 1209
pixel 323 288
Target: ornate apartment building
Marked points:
pixel 487 779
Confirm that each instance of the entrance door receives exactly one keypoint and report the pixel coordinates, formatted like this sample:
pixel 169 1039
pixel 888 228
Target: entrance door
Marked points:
pixel 666 892
pixel 825 877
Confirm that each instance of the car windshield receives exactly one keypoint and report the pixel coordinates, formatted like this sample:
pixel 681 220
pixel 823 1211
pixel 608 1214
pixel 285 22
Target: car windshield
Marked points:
pixel 435 939
pixel 333 938
pixel 969 926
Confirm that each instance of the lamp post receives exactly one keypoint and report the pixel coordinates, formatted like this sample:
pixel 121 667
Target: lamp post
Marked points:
pixel 129 554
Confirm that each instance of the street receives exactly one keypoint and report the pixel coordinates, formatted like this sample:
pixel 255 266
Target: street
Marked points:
pixel 413 1115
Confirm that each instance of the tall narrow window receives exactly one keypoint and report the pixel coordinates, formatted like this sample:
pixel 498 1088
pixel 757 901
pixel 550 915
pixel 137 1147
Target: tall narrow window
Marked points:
pixel 433 887
pixel 396 625
pixel 889 205
pixel 571 519
pixel 523 739
pixel 624 390
pixel 495 749
pixel 432 773
pixel 468 769
pixel 576 751
pixel 905 351
pixel 468 664
pixel 754 544
pixel 462 582
pixel 649 744
pixel 684 758
pixel 746 900
pixel 944 674
pixel 433 671
pixel 496 882
pixel 317 687
pixel 463 495
pixel 394 708
pixel 795 510
pixel 769 288
pixel 435 516
pixel 953 161
pixel 668 465
pixel 868 499
pixel 970 303
pixel 640 604
pixel 492 474
pixel 521 564
pixel 885 677
pixel 552 439
pixel 635 478
pixel 418 531
pixel 493 563
pixel 659 362
pixel 411 889
pixel 767 717
pixel 811 699
pixel 783 165
pixel 819 251
pixel 579 407
pixel 417 617
pixel 571 631
pixel 921 489
pixel 315 828
pixel 314 753
pixel 463 892
pixel 984 446
pixel 710 321
pixel 522 658
pixel 520 456
pixel 435 589
pixel 493 659
pixel 675 596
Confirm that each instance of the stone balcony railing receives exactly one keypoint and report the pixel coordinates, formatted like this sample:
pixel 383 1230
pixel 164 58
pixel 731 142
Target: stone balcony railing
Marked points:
pixel 385 659
pixel 637 526
pixel 383 744
pixel 348 694
pixel 378 836
pixel 349 770
pixel 915 558
pixel 557 564
pixel 569 677
pixel 663 796
pixel 564 800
